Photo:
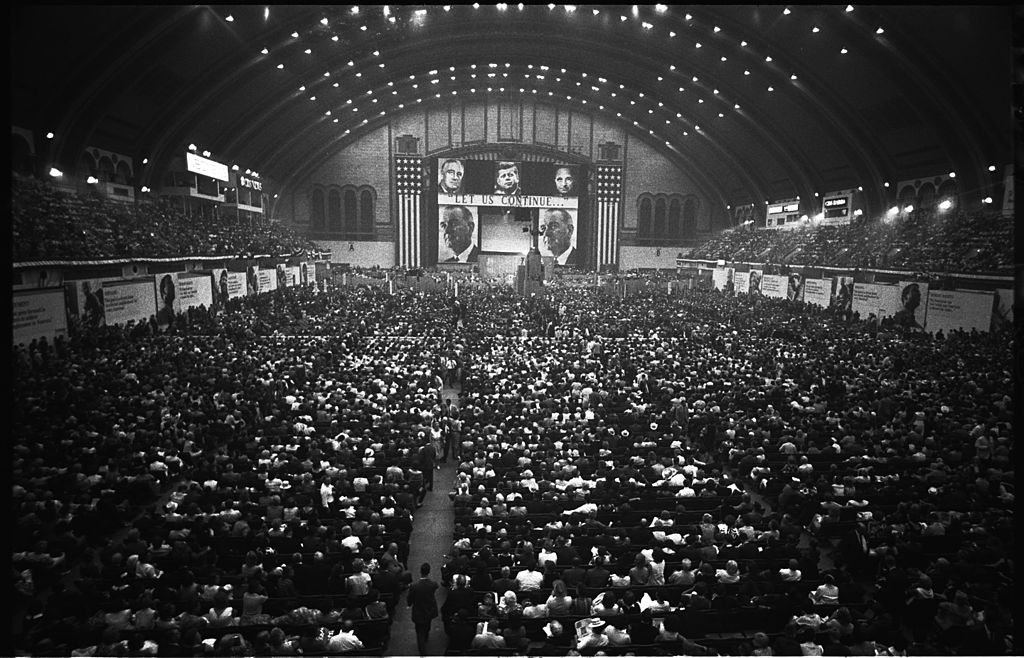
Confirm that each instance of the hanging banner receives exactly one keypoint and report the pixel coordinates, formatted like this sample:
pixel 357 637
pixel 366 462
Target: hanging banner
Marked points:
pixel 722 279
pixel 842 293
pixel 292 276
pixel 194 291
pixel 124 301
pixel 266 280
pixel 913 298
pixel 818 292
pixel 775 286
pixel 237 286
pixel 875 299
pixel 167 303
pixel 38 313
pixel 795 287
pixel 1002 309
pixel 741 282
pixel 86 301
pixel 959 309
pixel 219 280
pixel 252 279
pixel 754 286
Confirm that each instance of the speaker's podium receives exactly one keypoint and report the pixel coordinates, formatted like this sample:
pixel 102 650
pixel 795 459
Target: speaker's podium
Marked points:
pixel 530 275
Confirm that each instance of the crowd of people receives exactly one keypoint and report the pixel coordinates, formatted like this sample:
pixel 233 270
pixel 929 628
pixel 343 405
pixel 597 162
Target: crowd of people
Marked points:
pixel 920 241
pixel 636 473
pixel 48 224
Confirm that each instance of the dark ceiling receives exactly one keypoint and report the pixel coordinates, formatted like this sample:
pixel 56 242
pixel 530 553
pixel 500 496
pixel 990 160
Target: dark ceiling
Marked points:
pixel 928 93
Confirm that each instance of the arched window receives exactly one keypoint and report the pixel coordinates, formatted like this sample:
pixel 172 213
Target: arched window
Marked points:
pixel 948 190
pixel 351 211
pixel 644 218
pixel 124 173
pixel 366 212
pixel 106 168
pixel 926 197
pixel 316 209
pixel 907 196
pixel 689 216
pixel 334 210
pixel 659 218
pixel 675 220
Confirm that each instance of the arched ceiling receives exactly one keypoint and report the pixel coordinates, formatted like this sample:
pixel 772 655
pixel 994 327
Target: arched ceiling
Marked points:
pixel 755 102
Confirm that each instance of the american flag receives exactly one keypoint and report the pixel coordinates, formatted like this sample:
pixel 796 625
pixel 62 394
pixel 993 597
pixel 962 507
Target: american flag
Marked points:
pixel 409 183
pixel 609 197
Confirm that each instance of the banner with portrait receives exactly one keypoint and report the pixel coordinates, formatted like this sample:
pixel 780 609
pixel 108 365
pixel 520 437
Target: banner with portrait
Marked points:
pixel 913 300
pixel 458 234
pixel 754 281
pixel 959 309
pixel 1002 308
pixel 558 235
pixel 86 301
pixel 876 299
pixel 292 276
pixel 237 284
pixel 818 292
pixel 38 313
pixel 775 286
pixel 194 291
pixel 741 282
pixel 252 279
pixel 165 288
pixel 795 287
pixel 125 301
pixel 219 283
pixel 842 293
pixel 722 279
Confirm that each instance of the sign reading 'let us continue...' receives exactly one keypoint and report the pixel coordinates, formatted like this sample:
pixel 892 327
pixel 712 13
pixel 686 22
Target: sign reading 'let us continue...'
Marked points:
pixel 511 201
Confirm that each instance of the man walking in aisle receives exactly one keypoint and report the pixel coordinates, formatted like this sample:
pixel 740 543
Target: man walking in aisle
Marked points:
pixel 423 601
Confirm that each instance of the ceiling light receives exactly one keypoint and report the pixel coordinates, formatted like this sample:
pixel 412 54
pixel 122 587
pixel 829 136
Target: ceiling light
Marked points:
pixel 849 8
pixel 206 154
pixel 736 107
pixel 987 200
pixel 661 9
pixel 92 180
pixel 672 35
pixel 909 208
pixel 355 10
pixel 698 44
pixel 786 12
pixel 746 73
pixel 743 44
pixel 879 31
pixel 892 211
pixel 946 204
pixel 265 51
pixel 952 174
pixel 990 167
pixel 50 136
pixel 689 16
pixel 843 51
pixel 229 18
pixel 192 147
pixel 324 21
pixel 309 51
pixel 771 88
pixel 295 35
pixel 768 58
pixel 718 29
pixel 145 160
pixel 815 29
pixel 885 184
pixel 793 77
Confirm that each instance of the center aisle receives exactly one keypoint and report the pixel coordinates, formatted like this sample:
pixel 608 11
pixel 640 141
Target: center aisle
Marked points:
pixel 432 529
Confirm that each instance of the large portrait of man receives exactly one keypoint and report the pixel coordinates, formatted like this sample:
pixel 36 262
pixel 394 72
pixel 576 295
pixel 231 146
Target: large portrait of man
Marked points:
pixel 558 226
pixel 458 235
pixel 506 178
pixel 449 176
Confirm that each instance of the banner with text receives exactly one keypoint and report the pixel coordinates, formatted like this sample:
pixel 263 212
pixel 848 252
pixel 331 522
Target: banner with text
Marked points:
pixel 913 299
pixel 292 276
pixel 124 301
pixel 87 301
pixel 741 280
pixel 818 292
pixel 38 313
pixel 775 286
pixel 195 291
pixel 722 279
pixel 959 309
pixel 236 284
pixel 876 299
pixel 266 280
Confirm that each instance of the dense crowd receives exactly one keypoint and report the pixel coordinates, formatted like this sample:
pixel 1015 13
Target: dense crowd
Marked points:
pixel 635 472
pixel 48 224
pixel 927 241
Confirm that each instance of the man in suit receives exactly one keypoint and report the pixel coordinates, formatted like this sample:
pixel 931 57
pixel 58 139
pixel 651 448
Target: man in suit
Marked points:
pixel 565 183
pixel 423 601
pixel 457 229
pixel 450 176
pixel 558 228
pixel 506 180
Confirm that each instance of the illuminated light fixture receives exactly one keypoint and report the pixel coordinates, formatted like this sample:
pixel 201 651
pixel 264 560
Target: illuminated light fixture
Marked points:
pixel 352 63
pixel 622 18
pixel 302 88
pixel 206 154
pixel 56 173
pixel 144 189
pixel 145 160
pixel 815 29
pixel 843 51
pixel 92 180
pixel 667 144
pixel 946 204
pixel 646 25
pixel 381 65
pixel 376 53
pixel 636 10
pixel 363 28
pixel 266 13
pixel 280 66
pixel 327 113
pixel 234 167
pixel 420 12
pixel 660 78
pixel 815 194
pixel 909 208
pixel 501 6
pixel 551 6
pixel 355 10
pixel 50 136
pixel 724 58
pixel 229 18
pixel 520 6
pixel 324 21
pixel 678 115
pixel 689 16
pixel 786 12
pixel 672 35
pixel 570 9
pixel 879 31
pixel 387 10
pixel 743 44
pixel 327 74
pixel 671 67
pixel 717 29
pixel 858 212
pixel 736 107
pixel 768 58
pixel 952 174
pixel 771 88
pixel 192 147
pixel 849 8
pixel 885 184
pixel 987 200
pixel 295 35
pixel 860 188
pixel 990 167
pixel 686 134
pixel 698 44
pixel 359 74
pixel 265 51
pixel 696 127
pixel 793 77
pixel 695 78
pixel 661 9
pixel 700 100
pixel 746 72
pixel 447 7
pixel 720 115
pixel 681 90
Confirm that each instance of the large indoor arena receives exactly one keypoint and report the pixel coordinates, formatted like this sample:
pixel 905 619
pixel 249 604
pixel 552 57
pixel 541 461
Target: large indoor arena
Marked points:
pixel 513 330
